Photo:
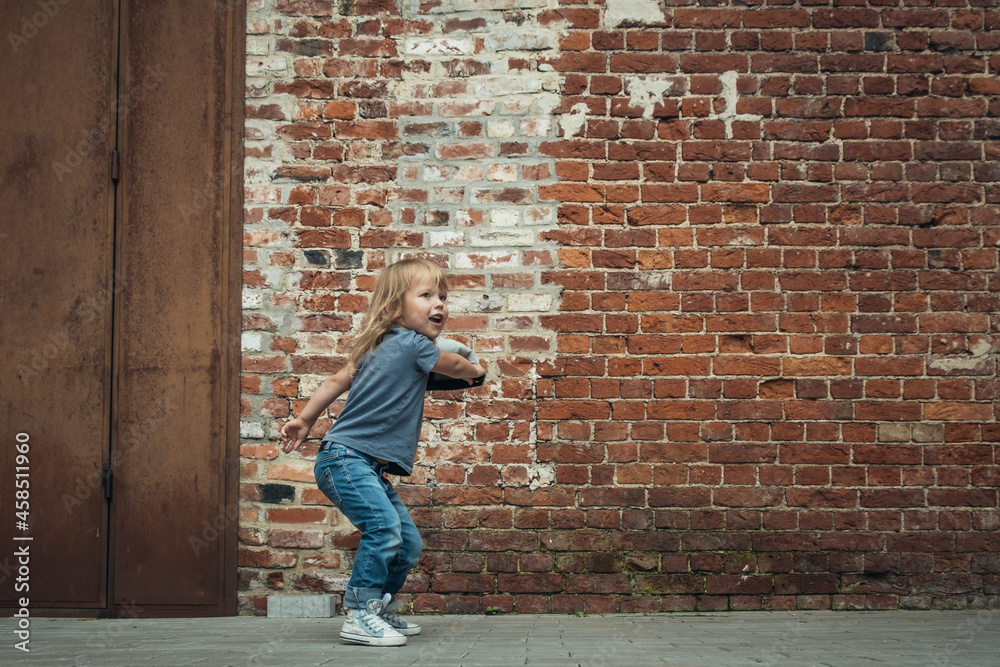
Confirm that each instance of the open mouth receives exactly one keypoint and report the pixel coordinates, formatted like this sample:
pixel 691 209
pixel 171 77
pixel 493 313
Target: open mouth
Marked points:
pixel 437 319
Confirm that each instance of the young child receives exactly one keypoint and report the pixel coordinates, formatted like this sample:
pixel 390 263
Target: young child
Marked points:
pixel 376 433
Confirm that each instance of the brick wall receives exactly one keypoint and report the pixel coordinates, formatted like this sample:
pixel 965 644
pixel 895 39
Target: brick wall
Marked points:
pixel 734 270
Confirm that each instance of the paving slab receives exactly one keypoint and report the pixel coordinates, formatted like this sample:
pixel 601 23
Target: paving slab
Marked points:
pixel 893 638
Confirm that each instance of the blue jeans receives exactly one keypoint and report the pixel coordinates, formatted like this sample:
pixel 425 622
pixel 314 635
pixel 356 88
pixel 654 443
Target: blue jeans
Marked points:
pixel 390 543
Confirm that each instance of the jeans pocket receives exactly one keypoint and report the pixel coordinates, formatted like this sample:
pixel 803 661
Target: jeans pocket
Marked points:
pixel 325 483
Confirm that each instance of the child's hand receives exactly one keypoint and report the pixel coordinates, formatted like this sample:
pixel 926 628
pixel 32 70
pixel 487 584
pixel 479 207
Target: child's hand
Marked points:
pixel 293 434
pixel 482 365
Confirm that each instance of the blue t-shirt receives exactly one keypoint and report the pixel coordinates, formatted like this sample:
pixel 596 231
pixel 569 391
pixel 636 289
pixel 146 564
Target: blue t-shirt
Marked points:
pixel 385 407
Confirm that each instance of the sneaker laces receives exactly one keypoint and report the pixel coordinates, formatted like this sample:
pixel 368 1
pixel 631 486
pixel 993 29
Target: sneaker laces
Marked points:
pixel 371 617
pixel 389 611
pixel 393 618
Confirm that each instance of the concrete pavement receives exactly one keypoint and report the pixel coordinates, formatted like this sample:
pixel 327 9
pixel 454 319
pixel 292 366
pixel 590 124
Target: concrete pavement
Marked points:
pixel 940 638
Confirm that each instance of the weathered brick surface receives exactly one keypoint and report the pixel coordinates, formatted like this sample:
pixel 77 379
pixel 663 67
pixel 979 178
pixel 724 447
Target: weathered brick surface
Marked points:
pixel 734 270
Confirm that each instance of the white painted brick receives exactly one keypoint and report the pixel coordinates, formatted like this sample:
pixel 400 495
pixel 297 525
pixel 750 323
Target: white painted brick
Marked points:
pixel 524 303
pixel 309 384
pixel 482 5
pixel 502 173
pixel 478 260
pixel 436 173
pixel 489 303
pixel 252 299
pixel 262 65
pixel 251 430
pixel 443 239
pixel 459 303
pixel 251 341
pixel 258 45
pixel 444 46
pixel 532 40
pixel 510 85
pixel 616 12
pixel 501 129
pixel 507 217
pixel 502 238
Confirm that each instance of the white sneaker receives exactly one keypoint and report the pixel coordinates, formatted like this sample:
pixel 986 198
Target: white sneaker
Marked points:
pixel 390 616
pixel 365 626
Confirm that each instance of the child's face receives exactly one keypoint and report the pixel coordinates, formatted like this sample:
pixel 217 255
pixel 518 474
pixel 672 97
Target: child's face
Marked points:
pixel 425 307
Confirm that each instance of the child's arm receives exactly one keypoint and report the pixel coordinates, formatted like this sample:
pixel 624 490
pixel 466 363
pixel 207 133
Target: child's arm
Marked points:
pixel 456 366
pixel 294 433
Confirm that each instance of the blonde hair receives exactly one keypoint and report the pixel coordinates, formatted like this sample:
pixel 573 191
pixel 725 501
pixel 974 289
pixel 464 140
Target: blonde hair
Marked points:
pixel 385 307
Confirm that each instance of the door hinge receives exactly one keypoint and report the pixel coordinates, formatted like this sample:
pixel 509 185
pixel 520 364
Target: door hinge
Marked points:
pixel 115 163
pixel 107 481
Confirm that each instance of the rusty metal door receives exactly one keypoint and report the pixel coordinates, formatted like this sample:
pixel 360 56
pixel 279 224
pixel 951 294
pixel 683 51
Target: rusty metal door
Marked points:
pixel 56 294
pixel 119 304
pixel 174 513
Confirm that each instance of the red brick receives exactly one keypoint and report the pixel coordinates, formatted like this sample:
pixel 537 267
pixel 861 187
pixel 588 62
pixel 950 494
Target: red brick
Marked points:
pixel 642 62
pixel 776 18
pixel 741 193
pixel 775 321
pixel 463 583
pixel 711 63
pixel 747 497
